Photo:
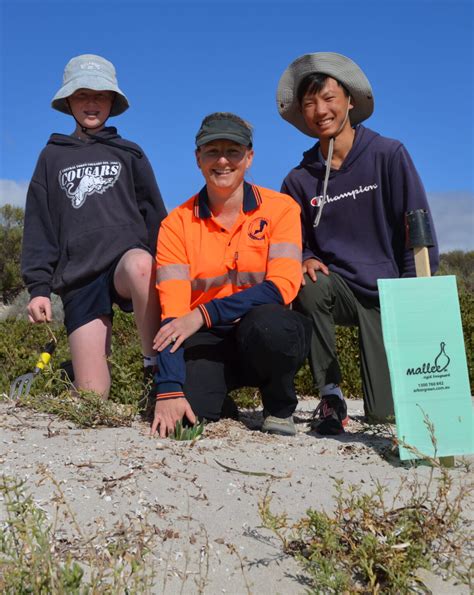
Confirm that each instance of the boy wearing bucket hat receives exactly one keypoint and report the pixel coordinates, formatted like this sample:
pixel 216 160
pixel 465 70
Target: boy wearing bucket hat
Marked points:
pixel 92 213
pixel 354 188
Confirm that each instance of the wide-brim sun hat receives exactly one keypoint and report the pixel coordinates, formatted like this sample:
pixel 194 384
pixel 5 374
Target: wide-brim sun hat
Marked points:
pixel 336 66
pixel 89 71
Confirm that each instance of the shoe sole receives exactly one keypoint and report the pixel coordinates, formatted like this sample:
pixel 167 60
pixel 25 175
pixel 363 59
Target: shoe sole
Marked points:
pixel 278 432
pixel 314 428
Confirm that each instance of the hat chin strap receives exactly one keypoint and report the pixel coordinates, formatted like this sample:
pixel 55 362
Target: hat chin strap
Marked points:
pixel 83 128
pixel 328 167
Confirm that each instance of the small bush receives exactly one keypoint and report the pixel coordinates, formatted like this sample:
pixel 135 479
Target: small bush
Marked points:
pixel 466 301
pixel 34 559
pixel 86 410
pixel 28 563
pixel 11 234
pixel 372 545
pixel 21 342
pixel 461 264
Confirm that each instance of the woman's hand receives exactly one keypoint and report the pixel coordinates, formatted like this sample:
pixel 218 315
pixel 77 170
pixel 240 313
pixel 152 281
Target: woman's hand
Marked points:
pixel 310 266
pixel 168 412
pixel 178 330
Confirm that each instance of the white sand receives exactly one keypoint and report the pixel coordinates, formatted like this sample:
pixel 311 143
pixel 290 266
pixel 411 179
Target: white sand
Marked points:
pixel 202 514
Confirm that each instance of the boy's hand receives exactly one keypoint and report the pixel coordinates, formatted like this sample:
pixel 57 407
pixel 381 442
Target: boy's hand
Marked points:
pixel 310 266
pixel 168 412
pixel 39 309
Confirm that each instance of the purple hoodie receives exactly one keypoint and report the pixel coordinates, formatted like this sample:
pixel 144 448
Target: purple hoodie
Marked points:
pixel 361 235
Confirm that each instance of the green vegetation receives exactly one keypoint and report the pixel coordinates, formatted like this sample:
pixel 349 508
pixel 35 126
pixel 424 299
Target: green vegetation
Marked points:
pixel 20 342
pixel 368 544
pixel 86 410
pixel 11 233
pixel 371 545
pixel 183 433
pixel 36 558
pixel 461 264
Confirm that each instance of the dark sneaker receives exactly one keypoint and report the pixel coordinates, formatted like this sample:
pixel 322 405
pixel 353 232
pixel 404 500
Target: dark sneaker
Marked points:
pixel 229 409
pixel 284 426
pixel 330 416
pixel 146 405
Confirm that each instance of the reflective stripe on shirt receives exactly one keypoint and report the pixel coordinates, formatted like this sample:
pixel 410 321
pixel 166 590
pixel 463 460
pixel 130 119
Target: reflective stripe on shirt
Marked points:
pixel 284 250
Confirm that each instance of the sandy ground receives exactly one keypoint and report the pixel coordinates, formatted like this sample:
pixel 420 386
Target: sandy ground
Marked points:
pixel 200 500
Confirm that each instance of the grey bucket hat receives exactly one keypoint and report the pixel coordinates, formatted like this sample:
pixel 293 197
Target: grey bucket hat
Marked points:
pixel 89 72
pixel 334 65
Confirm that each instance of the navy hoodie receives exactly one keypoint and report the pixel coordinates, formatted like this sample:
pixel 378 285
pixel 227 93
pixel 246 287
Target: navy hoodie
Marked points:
pixel 361 234
pixel 88 202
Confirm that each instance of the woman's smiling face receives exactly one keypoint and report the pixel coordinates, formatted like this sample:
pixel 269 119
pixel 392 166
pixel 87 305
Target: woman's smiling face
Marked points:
pixel 223 163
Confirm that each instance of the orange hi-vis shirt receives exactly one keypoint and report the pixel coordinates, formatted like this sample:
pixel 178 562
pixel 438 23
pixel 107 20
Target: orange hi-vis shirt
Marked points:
pixel 199 261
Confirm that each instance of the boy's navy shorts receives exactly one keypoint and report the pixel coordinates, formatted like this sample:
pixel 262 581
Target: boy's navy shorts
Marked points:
pixel 93 300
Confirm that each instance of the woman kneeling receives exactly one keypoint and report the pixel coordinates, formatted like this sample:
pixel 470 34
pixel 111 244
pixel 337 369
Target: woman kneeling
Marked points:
pixel 228 266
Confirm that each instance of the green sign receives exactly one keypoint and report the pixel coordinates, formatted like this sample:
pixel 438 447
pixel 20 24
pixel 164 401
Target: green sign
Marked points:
pixel 424 343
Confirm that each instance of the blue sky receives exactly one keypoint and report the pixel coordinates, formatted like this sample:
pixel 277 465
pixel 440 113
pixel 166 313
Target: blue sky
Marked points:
pixel 178 61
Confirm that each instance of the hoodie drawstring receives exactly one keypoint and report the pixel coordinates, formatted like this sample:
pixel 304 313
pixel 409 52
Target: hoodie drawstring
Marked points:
pixel 317 219
pixel 325 184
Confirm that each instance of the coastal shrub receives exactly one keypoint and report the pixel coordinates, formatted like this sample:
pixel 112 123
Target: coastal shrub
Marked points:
pixel 461 264
pixel 11 234
pixel 35 556
pixel 21 342
pixel 375 543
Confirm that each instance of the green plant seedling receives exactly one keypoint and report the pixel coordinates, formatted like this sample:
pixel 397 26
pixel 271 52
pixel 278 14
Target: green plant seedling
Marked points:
pixel 192 433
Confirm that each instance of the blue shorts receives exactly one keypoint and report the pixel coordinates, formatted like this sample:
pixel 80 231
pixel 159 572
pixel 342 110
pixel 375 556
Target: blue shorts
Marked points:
pixel 93 300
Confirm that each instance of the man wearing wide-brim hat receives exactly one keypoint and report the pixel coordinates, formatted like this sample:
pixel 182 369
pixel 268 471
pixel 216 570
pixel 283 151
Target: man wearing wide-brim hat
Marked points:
pixel 354 188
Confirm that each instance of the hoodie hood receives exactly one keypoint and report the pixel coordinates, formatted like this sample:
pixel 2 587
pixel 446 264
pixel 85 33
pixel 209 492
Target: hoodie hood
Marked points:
pixel 362 140
pixel 106 136
pixel 68 140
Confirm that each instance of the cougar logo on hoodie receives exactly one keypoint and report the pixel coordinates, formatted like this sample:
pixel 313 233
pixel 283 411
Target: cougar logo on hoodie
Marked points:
pixel 81 181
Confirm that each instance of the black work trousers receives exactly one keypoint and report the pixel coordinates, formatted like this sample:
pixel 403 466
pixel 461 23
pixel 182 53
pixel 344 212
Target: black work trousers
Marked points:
pixel 264 349
pixel 328 302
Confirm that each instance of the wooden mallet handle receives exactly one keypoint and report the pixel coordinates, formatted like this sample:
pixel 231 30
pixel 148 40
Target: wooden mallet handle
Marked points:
pixel 419 238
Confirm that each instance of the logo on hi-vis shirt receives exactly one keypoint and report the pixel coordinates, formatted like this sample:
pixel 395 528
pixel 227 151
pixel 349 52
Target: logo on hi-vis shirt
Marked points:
pixel 256 229
pixel 80 181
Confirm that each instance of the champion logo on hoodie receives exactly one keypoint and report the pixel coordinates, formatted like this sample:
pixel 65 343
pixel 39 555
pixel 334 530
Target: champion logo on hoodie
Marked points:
pixel 316 200
pixel 80 181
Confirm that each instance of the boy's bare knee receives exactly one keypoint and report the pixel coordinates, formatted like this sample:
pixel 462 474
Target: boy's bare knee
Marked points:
pixel 137 264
